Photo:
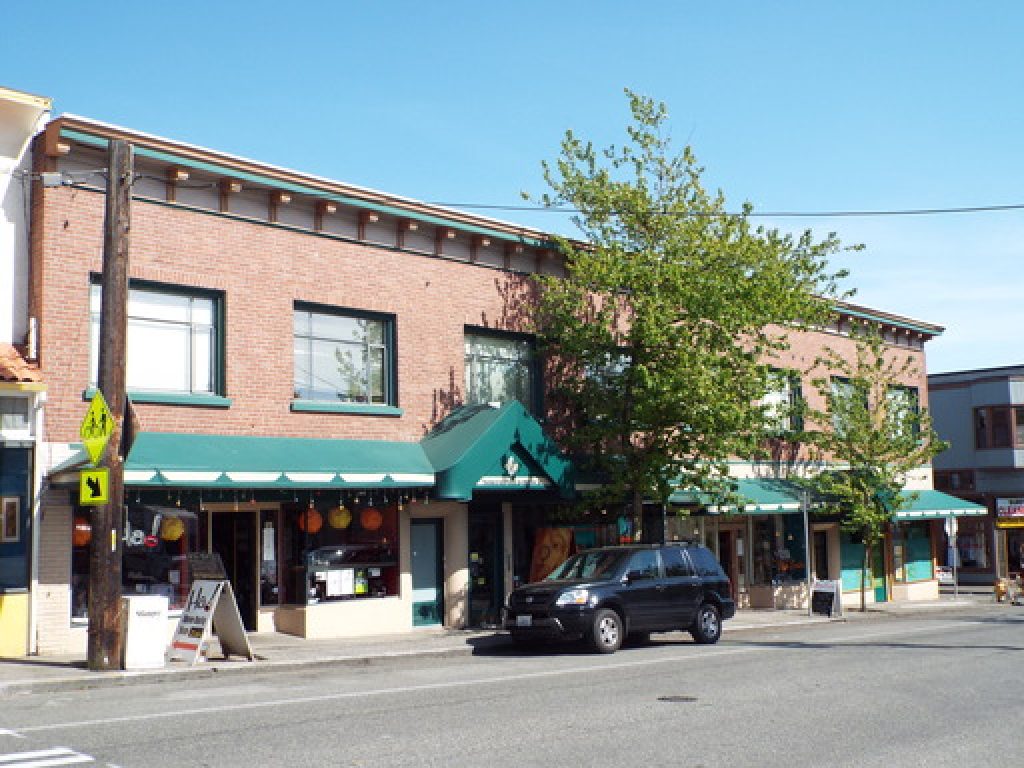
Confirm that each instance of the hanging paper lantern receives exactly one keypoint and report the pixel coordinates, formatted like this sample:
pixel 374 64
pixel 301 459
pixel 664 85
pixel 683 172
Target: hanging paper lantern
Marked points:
pixel 311 521
pixel 81 532
pixel 371 519
pixel 172 528
pixel 339 517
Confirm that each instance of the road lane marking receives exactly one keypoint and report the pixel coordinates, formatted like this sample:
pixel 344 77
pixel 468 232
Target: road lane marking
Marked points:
pixel 705 654
pixel 44 758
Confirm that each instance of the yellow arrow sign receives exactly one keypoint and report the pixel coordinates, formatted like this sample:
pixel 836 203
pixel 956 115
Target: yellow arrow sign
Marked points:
pixel 97 426
pixel 94 487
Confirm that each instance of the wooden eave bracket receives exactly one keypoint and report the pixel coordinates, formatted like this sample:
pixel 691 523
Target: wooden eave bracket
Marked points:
pixel 53 145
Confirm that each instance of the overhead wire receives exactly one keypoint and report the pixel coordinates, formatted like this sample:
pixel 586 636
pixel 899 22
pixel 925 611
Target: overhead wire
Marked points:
pixel 836 214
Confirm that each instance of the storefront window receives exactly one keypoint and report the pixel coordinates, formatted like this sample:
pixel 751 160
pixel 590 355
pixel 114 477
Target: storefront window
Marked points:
pixel 339 553
pixel 972 544
pixel 763 552
pixel 155 543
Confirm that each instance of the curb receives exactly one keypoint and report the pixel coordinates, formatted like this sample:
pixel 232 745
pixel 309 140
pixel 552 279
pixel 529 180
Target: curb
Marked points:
pixel 85 680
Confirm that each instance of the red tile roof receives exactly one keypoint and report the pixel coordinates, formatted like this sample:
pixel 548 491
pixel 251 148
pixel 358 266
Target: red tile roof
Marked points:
pixel 14 367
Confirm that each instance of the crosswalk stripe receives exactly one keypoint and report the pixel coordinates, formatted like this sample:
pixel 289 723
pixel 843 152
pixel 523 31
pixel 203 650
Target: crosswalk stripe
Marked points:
pixel 43 758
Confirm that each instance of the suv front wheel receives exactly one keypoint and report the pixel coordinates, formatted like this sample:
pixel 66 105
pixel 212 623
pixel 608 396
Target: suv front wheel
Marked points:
pixel 606 635
pixel 707 627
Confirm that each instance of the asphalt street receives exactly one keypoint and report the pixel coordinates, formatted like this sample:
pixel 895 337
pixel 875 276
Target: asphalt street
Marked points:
pixel 940 689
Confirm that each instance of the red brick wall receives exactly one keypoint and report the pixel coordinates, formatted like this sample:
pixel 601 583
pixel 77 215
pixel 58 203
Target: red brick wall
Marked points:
pixel 262 271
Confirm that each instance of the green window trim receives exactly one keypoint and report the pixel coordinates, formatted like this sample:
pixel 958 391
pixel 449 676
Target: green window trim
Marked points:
pixel 303 391
pixel 218 361
pixel 169 398
pixel 361 409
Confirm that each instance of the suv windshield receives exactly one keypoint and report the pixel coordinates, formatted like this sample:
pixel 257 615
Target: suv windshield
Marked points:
pixel 589 565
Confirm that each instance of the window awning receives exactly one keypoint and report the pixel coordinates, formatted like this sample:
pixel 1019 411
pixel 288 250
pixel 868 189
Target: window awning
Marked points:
pixel 488 448
pixel 935 505
pixel 758 496
pixel 163 459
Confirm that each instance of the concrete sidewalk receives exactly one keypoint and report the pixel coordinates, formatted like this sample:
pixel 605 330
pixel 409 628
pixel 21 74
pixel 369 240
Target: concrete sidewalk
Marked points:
pixel 278 652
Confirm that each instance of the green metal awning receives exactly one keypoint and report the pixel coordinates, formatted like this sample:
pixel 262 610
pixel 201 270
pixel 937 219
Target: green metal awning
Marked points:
pixel 935 505
pixel 758 496
pixel 484 447
pixel 163 459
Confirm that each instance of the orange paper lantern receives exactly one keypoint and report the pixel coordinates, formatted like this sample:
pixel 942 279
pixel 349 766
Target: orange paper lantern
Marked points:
pixel 81 532
pixel 311 521
pixel 371 519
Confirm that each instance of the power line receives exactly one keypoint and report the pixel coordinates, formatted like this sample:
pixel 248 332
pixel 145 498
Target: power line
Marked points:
pixel 69 177
pixel 757 214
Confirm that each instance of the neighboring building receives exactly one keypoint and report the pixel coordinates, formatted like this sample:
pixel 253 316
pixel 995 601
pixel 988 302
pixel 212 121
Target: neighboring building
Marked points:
pixel 981 414
pixel 334 389
pixel 762 546
pixel 22 393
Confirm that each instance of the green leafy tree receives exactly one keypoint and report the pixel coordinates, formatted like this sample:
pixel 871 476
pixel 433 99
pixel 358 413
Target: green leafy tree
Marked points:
pixel 656 335
pixel 874 430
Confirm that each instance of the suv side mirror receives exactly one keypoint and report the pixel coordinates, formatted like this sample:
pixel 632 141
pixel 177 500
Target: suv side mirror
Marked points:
pixel 632 576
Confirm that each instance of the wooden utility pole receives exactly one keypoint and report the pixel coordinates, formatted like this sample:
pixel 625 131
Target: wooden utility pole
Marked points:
pixel 106 617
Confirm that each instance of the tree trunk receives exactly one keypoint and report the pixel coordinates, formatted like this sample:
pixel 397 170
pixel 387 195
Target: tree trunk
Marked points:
pixel 865 575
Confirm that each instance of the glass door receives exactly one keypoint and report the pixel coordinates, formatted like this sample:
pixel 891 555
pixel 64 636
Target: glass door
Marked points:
pixel 486 576
pixel 234 536
pixel 427 576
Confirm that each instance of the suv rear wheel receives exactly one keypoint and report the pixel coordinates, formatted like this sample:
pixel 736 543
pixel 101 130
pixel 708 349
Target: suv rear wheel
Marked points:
pixel 707 627
pixel 606 635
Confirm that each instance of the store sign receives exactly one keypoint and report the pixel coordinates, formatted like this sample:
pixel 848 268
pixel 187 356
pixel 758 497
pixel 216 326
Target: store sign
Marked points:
pixel 1010 513
pixel 210 607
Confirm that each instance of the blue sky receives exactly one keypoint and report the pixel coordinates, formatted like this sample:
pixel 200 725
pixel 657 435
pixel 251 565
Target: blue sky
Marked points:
pixel 793 106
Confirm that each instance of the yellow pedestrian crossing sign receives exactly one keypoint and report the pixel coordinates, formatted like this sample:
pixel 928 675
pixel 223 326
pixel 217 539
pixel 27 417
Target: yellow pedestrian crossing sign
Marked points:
pixel 94 487
pixel 97 426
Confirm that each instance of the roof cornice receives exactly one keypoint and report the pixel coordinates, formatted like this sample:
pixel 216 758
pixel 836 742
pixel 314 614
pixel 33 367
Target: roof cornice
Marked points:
pixel 91 132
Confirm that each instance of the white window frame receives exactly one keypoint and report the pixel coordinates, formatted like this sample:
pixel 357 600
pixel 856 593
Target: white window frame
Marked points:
pixel 194 329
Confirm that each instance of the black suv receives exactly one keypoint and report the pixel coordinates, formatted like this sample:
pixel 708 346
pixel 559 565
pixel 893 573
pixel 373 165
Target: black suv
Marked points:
pixel 605 594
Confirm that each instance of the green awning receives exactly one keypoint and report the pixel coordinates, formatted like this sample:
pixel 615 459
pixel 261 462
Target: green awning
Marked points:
pixel 163 459
pixel 935 505
pixel 484 447
pixel 758 496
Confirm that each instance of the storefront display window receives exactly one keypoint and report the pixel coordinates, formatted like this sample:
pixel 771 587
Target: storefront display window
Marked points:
pixel 543 536
pixel 972 544
pixel 339 553
pixel 155 544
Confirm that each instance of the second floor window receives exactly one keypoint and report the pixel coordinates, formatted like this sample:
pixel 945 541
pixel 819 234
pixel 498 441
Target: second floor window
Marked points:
pixel 343 357
pixel 1000 426
pixel 903 407
pixel 783 402
pixel 172 340
pixel 499 369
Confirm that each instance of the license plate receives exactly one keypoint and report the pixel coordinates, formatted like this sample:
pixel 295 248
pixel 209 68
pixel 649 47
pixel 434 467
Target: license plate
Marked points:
pixel 524 620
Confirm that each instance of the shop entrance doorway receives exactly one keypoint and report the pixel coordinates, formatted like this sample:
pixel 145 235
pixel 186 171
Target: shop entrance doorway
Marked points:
pixel 878 573
pixel 821 555
pixel 427 574
pixel 234 536
pixel 486 555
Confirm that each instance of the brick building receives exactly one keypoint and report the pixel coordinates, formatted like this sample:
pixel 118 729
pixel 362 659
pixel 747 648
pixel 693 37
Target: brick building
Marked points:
pixel 334 390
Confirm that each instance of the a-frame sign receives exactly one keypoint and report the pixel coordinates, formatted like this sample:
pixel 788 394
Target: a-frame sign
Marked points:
pixel 211 605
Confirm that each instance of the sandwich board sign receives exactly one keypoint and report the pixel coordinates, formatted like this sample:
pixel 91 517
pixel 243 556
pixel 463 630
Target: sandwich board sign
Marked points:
pixel 211 607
